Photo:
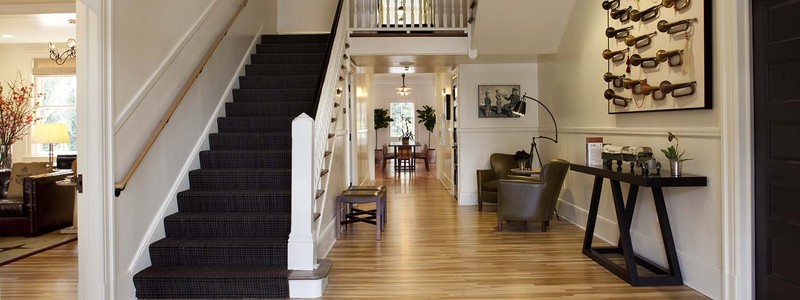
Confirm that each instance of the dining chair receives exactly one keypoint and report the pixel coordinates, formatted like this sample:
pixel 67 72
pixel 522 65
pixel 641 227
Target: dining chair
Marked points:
pixel 387 156
pixel 405 159
pixel 423 156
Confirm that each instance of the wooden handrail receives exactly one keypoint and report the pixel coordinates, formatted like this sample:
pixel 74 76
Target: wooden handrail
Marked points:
pixel 120 186
pixel 328 51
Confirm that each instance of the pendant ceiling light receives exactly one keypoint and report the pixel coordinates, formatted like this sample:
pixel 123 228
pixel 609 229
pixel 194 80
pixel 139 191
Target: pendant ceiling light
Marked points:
pixel 404 90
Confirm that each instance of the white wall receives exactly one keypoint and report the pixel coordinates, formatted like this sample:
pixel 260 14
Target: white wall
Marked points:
pixel 17 59
pixel 444 132
pixel 478 138
pixel 364 128
pixel 571 86
pixel 306 16
pixel 149 70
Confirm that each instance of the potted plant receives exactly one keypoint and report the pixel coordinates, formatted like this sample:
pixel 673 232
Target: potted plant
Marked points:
pixel 674 155
pixel 427 116
pixel 17 114
pixel 407 134
pixel 381 121
pixel 522 157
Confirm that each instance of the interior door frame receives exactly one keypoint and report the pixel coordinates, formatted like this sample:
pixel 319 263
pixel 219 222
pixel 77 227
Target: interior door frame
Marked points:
pixel 733 65
pixel 96 274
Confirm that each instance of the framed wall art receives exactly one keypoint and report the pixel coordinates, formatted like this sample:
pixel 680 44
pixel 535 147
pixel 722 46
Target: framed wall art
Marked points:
pixel 659 55
pixel 497 101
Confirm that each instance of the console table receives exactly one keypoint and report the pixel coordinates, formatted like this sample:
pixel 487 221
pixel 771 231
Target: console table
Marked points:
pixel 601 255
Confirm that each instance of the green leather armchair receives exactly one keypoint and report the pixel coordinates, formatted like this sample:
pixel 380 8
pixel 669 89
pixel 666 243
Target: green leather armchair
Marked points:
pixel 531 201
pixel 488 180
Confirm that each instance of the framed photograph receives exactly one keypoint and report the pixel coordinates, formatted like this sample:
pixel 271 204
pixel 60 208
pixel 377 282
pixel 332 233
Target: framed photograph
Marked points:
pixel 497 101
pixel 659 58
pixel 447 107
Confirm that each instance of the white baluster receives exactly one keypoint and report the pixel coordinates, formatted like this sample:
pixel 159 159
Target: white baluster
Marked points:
pixel 452 13
pixel 355 14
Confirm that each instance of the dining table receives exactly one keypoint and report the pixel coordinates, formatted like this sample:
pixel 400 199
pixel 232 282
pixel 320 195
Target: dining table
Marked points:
pixel 395 145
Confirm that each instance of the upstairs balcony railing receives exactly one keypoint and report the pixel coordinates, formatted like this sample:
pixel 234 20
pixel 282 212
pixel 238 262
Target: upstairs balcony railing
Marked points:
pixel 410 16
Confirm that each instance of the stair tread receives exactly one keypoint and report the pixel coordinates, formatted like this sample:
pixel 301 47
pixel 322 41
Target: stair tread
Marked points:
pixel 221 242
pixel 213 271
pixel 227 215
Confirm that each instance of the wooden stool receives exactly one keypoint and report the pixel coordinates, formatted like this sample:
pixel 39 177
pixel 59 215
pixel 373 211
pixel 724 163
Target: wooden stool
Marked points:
pixel 375 217
pixel 380 188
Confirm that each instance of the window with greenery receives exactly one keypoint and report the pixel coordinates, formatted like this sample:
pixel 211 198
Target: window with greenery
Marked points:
pixel 58 106
pixel 399 111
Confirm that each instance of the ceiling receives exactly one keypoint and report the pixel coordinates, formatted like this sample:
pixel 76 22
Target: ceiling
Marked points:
pixel 36 28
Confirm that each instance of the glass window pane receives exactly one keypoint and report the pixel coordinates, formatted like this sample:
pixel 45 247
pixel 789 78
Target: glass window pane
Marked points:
pixel 56 90
pixel 400 111
pixel 58 106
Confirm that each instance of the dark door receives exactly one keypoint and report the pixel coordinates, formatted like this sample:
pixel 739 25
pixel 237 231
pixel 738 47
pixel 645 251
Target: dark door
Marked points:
pixel 776 70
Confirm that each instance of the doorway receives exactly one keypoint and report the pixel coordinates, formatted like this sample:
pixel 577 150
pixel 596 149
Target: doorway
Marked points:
pixel 776 59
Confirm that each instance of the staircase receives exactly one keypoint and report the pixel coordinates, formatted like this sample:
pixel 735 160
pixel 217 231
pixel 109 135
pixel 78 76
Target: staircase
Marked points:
pixel 229 236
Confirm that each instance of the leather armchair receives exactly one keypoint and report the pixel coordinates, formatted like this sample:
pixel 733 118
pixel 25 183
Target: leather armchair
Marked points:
pixel 42 207
pixel 532 201
pixel 488 180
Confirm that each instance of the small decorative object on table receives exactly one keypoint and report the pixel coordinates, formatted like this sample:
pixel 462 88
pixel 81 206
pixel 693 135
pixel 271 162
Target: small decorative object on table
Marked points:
pixel 675 156
pixel 17 114
pixel 522 157
pixel 407 134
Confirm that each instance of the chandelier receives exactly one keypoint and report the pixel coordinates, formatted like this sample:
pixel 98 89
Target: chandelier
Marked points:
pixel 61 58
pixel 404 90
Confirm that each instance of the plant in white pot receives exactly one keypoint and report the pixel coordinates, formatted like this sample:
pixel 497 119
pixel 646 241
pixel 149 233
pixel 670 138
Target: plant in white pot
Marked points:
pixel 674 155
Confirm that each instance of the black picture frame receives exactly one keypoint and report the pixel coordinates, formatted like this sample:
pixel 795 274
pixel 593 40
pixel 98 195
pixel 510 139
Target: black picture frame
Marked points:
pixel 703 64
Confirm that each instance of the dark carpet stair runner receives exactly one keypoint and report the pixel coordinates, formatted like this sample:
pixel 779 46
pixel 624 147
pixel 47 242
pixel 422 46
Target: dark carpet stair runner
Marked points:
pixel 229 236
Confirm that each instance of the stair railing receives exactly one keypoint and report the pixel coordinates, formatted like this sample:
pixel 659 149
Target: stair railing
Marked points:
pixel 122 184
pixel 409 15
pixel 311 139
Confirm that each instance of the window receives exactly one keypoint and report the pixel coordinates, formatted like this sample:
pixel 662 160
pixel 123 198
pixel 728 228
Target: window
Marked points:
pixel 58 106
pixel 400 111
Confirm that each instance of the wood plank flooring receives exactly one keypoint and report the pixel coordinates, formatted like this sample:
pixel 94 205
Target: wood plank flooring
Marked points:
pixel 52 274
pixel 432 249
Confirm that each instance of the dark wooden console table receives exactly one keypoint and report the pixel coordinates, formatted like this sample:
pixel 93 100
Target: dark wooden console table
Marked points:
pixel 601 255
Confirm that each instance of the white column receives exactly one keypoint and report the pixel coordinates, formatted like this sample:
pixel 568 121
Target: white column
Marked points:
pixel 301 248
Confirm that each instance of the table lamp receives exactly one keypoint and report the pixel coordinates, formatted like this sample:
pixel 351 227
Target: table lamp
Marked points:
pixel 519 109
pixel 50 133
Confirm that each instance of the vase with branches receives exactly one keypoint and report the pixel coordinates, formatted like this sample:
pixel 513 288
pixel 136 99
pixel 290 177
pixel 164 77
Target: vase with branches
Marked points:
pixel 427 117
pixel 17 114
pixel 381 120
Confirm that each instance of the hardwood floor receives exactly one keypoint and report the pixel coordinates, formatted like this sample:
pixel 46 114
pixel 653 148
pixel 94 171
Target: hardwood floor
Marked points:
pixel 52 274
pixel 433 248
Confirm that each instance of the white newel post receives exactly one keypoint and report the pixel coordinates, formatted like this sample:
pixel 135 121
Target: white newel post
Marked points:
pixel 301 239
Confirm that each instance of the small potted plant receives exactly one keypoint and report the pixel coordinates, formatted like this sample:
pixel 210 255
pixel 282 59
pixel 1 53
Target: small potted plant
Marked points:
pixel 674 155
pixel 522 157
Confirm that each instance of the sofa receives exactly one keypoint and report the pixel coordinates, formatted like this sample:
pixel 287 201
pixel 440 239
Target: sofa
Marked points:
pixel 33 204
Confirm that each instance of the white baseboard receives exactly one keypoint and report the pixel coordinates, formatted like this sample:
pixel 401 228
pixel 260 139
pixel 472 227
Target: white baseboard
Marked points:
pixel 703 278
pixel 327 239
pixel 467 198
pixel 307 288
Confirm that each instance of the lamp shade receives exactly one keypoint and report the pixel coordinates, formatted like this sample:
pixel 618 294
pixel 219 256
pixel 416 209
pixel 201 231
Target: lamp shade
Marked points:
pixel 50 133
pixel 519 108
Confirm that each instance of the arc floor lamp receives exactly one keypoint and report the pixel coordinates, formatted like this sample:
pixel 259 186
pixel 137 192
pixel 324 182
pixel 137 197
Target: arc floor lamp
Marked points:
pixel 520 109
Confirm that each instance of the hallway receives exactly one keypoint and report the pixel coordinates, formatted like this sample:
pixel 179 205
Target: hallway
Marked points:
pixel 433 249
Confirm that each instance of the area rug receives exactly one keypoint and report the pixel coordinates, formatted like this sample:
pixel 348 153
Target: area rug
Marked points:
pixel 15 248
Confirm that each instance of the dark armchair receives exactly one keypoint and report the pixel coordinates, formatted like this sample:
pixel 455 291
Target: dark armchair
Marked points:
pixel 532 201
pixel 488 180
pixel 35 204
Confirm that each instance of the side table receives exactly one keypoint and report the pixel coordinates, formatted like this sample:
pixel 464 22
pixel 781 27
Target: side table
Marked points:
pixel 74 228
